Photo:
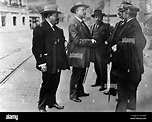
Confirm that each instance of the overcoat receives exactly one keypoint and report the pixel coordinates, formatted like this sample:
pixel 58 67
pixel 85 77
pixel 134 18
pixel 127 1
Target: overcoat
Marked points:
pixel 128 59
pixel 79 44
pixel 49 47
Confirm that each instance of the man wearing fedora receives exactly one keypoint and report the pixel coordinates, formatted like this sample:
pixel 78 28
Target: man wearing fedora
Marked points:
pixel 50 54
pixel 79 51
pixel 100 31
pixel 128 59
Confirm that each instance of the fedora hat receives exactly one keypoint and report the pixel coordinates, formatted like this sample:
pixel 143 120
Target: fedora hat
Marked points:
pixel 97 12
pixel 53 8
pixel 78 4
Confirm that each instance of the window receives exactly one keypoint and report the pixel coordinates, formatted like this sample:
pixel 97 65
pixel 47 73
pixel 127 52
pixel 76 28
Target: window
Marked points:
pixel 20 2
pixel 23 20
pixel 3 19
pixel 14 21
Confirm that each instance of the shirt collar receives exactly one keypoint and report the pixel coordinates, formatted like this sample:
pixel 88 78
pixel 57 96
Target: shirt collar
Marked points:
pixel 129 19
pixel 78 18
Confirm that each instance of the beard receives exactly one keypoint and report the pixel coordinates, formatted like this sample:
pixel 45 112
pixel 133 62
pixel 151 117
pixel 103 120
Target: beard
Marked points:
pixel 57 21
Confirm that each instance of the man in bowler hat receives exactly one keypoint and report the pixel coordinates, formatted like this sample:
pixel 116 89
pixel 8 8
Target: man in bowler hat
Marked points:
pixel 78 51
pixel 100 31
pixel 50 54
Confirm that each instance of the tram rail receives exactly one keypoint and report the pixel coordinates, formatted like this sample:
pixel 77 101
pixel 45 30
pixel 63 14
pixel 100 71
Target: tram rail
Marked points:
pixel 13 71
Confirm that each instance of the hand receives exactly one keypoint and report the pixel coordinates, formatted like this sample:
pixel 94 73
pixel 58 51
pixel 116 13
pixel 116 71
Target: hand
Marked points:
pixel 114 48
pixel 93 41
pixel 106 42
pixel 44 68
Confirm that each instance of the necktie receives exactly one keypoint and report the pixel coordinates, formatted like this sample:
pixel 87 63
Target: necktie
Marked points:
pixel 83 23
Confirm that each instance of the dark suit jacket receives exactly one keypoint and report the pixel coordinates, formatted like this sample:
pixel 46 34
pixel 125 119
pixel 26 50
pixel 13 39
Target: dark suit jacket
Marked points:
pixel 48 47
pixel 79 44
pixel 100 34
pixel 112 40
pixel 128 60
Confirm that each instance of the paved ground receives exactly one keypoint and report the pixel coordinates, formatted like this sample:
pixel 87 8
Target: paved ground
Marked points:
pixel 20 92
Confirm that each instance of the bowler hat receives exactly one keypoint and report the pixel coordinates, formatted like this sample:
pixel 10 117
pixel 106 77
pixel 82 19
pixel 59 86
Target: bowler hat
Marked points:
pixel 53 8
pixel 78 4
pixel 97 12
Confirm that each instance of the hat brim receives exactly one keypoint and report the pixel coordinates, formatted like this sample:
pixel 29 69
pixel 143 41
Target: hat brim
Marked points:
pixel 76 6
pixel 51 11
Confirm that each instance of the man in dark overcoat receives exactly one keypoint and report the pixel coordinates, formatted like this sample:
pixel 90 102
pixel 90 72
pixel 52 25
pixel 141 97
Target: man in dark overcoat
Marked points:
pixel 112 40
pixel 78 50
pixel 128 59
pixel 100 31
pixel 50 54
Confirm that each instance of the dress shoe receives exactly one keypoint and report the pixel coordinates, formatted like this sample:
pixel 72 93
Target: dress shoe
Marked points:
pixel 95 85
pixel 111 92
pixel 57 106
pixel 42 110
pixel 102 88
pixel 75 99
pixel 83 95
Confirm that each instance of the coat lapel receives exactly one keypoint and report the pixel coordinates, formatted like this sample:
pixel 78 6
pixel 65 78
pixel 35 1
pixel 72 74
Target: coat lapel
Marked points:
pixel 122 31
pixel 91 29
pixel 49 28
pixel 124 28
pixel 115 30
pixel 84 27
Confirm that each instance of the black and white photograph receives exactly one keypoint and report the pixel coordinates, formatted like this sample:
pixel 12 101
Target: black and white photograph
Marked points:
pixel 76 56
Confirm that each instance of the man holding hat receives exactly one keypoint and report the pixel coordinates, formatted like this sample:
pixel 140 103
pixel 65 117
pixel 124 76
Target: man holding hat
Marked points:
pixel 128 59
pixel 50 54
pixel 100 31
pixel 79 51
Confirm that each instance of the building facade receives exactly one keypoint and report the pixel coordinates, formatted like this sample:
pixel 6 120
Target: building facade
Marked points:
pixel 14 16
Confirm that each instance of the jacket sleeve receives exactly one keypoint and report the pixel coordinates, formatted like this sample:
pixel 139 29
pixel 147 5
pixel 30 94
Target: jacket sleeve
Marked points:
pixel 140 43
pixel 38 44
pixel 76 37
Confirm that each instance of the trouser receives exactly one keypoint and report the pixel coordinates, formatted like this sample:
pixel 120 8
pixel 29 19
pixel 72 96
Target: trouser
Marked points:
pixel 48 89
pixel 126 95
pixel 101 72
pixel 76 82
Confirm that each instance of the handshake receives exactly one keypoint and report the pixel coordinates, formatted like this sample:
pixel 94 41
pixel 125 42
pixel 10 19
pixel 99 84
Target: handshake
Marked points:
pixel 93 41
